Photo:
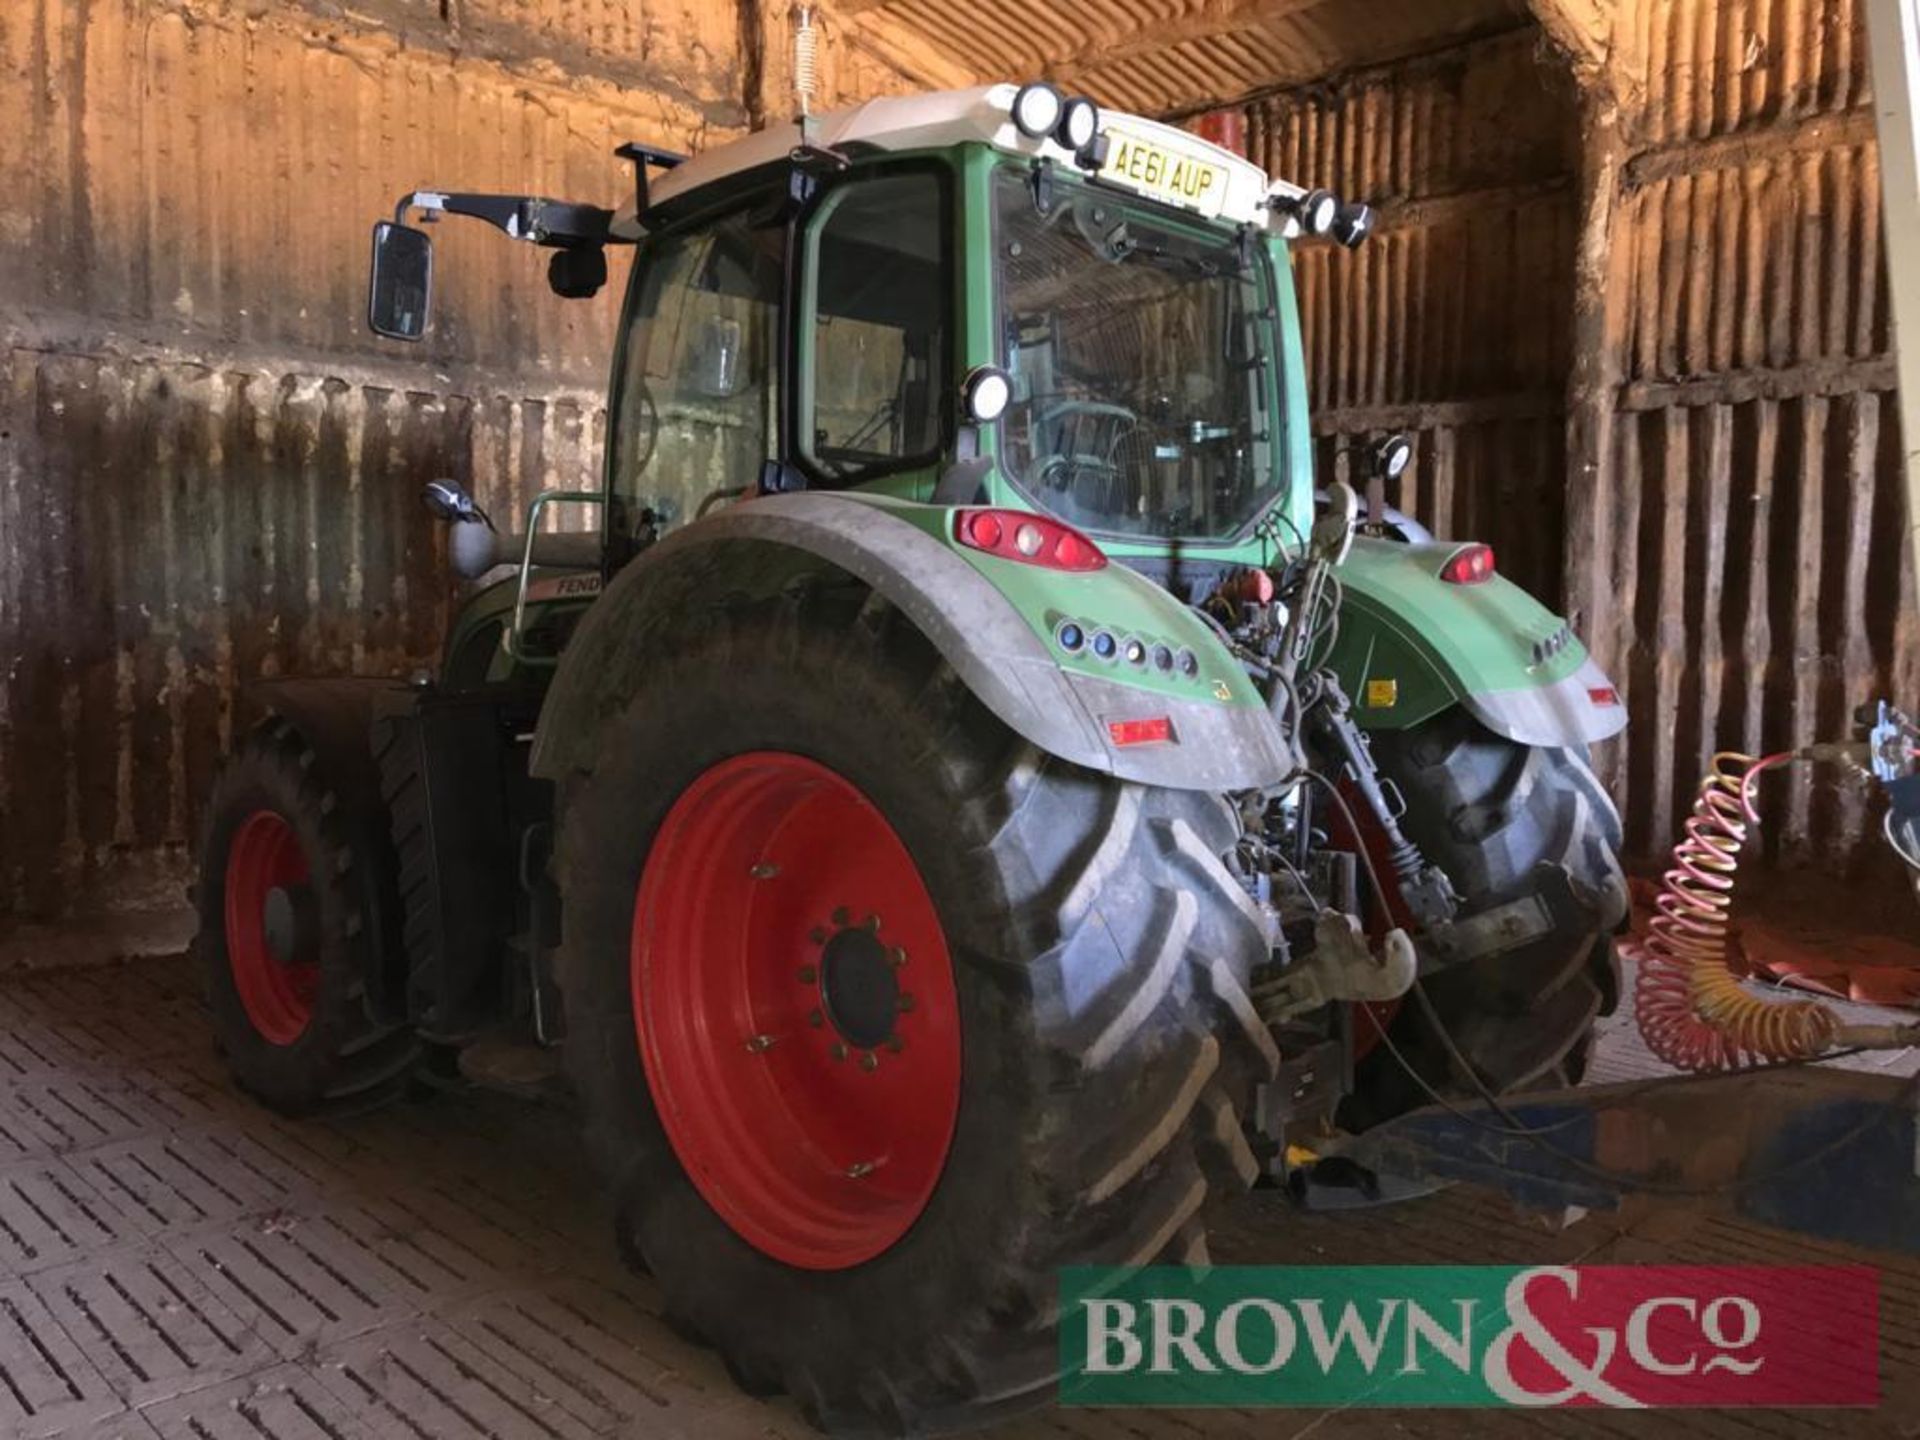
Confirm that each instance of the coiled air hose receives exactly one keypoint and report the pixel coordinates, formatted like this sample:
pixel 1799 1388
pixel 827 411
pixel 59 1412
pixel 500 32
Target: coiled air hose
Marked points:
pixel 1693 1011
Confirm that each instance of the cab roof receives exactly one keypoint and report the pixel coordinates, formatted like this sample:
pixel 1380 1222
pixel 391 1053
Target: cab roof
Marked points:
pixel 955 117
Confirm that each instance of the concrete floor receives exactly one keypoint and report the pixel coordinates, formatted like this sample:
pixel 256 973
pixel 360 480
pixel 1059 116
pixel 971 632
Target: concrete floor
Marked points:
pixel 176 1262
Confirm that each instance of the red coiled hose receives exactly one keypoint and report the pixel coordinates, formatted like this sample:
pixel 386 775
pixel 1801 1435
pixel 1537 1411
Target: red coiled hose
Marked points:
pixel 1693 1011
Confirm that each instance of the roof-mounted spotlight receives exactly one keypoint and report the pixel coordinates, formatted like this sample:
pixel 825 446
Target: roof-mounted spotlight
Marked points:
pixel 1316 211
pixel 1079 123
pixel 1036 110
pixel 1353 224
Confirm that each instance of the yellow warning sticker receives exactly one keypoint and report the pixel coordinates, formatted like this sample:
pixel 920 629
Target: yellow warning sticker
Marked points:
pixel 1383 694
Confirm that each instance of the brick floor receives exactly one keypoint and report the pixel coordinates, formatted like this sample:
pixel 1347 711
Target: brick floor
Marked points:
pixel 176 1262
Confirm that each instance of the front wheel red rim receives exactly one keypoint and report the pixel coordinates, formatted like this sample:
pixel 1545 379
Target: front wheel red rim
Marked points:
pixel 795 1008
pixel 277 981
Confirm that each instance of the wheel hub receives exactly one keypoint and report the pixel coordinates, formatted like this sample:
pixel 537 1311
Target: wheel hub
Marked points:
pixel 290 926
pixel 809 1094
pixel 859 988
pixel 272 927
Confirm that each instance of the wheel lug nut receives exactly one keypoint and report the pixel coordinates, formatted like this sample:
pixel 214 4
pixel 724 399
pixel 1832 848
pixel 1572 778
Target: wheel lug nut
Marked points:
pixel 818 934
pixel 869 1062
pixel 896 1044
pixel 808 974
pixel 765 870
pixel 873 924
pixel 839 1050
pixel 840 915
pixel 816 1019
pixel 906 1003
pixel 898 955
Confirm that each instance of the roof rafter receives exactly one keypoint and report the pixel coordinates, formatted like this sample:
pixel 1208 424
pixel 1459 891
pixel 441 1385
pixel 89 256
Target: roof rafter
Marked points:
pixel 1205 20
pixel 866 25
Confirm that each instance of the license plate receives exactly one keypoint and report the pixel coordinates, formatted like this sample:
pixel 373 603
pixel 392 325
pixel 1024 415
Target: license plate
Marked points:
pixel 1164 172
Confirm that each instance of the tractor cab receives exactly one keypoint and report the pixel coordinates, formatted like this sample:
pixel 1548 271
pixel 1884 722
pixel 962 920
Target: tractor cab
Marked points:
pixel 998 297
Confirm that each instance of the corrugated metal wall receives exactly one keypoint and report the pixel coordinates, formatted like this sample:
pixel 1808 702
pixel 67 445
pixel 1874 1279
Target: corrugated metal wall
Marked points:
pixel 1758 559
pixel 208 470
pixel 1451 323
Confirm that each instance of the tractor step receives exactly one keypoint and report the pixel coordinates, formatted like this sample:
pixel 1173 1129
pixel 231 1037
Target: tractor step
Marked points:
pixel 531 1072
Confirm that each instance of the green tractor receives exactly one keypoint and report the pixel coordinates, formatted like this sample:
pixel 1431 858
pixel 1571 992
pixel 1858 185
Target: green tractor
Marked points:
pixel 970 800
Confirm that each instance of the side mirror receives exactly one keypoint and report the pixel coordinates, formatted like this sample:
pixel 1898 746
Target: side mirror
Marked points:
pixel 448 500
pixel 577 273
pixel 400 286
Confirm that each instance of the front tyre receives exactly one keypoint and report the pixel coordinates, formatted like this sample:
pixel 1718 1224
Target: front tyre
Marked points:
pixel 881 1017
pixel 290 896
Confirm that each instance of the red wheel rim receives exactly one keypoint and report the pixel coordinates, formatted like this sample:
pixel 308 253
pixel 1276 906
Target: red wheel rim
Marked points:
pixel 277 993
pixel 795 1007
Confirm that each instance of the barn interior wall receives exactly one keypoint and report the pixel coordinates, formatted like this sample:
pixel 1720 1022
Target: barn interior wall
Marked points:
pixel 209 470
pixel 1450 324
pixel 1753 544
pixel 1759 535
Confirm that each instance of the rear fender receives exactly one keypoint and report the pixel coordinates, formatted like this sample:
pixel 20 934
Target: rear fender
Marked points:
pixel 1411 645
pixel 993 620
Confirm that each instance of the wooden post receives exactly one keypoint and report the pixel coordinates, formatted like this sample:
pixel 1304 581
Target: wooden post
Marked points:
pixel 1593 386
pixel 1893 31
pixel 1584 33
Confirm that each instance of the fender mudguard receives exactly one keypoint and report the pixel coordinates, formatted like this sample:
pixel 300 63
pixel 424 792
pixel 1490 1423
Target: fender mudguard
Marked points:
pixel 1410 645
pixel 993 625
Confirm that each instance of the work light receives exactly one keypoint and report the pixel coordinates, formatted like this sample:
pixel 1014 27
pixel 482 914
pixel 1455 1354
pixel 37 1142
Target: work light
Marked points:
pixel 1317 210
pixel 986 393
pixel 1036 110
pixel 1079 122
pixel 1353 224
pixel 1392 456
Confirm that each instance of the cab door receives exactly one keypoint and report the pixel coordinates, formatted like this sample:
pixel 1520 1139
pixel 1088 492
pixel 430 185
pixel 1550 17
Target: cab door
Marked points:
pixel 874 343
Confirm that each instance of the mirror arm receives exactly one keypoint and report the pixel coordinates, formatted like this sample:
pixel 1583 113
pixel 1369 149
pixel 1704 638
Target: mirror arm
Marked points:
pixel 520 217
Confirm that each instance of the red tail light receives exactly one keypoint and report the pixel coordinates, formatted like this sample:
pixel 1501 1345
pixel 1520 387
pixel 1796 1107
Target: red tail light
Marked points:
pixel 1469 565
pixel 1030 539
pixel 1157 731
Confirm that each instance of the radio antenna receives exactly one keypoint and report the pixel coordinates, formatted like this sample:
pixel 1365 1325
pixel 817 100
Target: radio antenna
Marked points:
pixel 806 61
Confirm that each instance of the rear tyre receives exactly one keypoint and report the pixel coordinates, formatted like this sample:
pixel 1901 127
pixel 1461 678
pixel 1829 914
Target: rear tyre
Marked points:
pixel 289 899
pixel 1070 1070
pixel 1501 819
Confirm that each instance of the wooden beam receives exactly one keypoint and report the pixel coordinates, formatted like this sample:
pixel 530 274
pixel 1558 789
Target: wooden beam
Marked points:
pixel 1440 414
pixel 1828 377
pixel 1582 31
pixel 1592 37
pixel 1754 145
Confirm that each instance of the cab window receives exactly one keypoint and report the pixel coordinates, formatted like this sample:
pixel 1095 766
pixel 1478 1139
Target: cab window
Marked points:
pixel 695 410
pixel 876 327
